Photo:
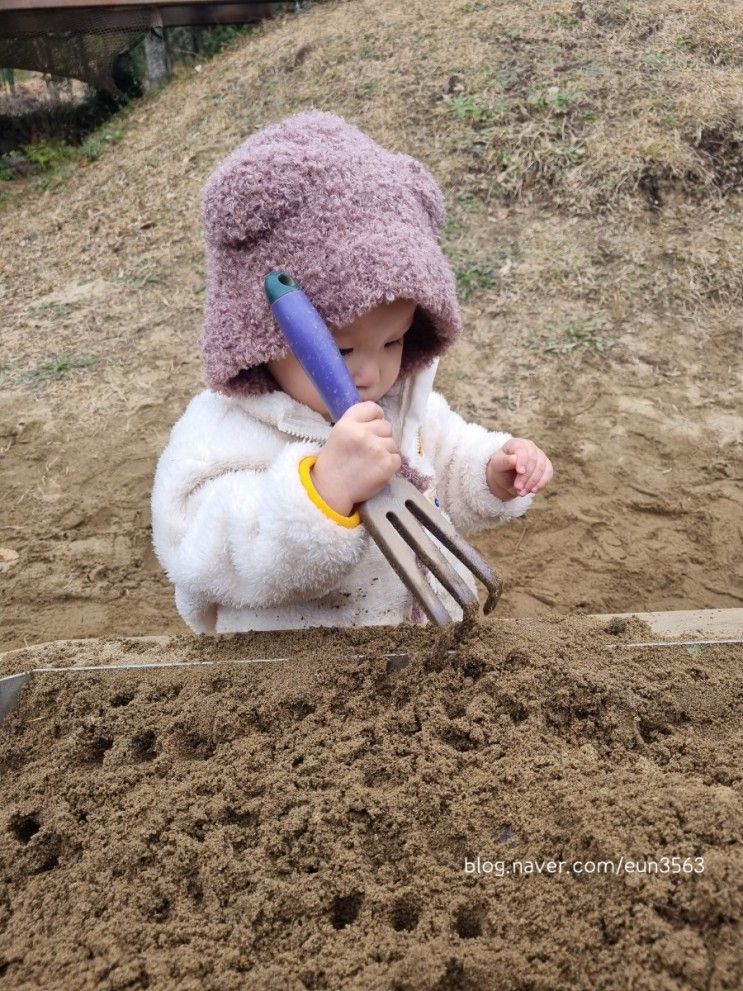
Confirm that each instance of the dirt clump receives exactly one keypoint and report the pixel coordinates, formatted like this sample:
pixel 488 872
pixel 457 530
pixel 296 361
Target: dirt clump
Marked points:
pixel 309 824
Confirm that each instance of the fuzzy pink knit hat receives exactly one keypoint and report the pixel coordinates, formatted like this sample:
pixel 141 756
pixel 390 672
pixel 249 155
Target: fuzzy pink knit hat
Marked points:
pixel 355 224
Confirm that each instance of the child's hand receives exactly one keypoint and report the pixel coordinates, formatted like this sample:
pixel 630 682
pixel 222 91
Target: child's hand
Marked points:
pixel 358 459
pixel 517 469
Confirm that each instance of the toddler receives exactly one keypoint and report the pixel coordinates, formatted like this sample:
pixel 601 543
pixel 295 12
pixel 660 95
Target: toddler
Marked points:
pixel 253 504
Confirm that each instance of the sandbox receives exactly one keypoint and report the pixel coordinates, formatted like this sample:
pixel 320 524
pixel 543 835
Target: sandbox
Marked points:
pixel 383 810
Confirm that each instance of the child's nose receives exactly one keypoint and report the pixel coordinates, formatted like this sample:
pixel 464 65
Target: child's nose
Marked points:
pixel 367 375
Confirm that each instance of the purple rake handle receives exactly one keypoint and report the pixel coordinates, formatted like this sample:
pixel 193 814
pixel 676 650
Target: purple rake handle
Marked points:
pixel 311 343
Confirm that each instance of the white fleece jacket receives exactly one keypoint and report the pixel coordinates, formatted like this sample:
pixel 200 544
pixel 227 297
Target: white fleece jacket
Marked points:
pixel 249 546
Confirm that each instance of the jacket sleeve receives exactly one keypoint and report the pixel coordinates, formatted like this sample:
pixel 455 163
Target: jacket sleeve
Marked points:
pixel 244 536
pixel 460 452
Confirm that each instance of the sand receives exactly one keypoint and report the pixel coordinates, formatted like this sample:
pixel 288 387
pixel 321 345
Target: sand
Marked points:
pixel 309 824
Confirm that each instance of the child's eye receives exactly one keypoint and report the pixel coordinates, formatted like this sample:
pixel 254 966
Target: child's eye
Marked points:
pixel 389 344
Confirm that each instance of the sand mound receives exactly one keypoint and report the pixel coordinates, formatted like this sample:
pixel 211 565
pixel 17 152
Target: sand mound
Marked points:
pixel 309 824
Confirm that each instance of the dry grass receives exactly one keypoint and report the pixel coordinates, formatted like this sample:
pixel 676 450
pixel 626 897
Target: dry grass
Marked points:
pixel 570 106
pixel 590 102
pixel 585 103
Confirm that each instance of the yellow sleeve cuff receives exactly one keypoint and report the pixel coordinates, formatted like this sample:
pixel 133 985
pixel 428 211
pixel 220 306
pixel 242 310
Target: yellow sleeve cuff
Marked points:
pixel 305 467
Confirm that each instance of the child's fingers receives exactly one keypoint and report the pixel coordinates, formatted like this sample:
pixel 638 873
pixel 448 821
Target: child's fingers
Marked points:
pixel 529 475
pixel 365 411
pixel 520 450
pixel 544 478
pixel 382 427
pixel 503 462
pixel 539 466
pixel 524 456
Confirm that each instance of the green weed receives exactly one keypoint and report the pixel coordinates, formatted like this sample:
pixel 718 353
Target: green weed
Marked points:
pixel 495 189
pixel 56 367
pixel 583 335
pixel 7 366
pixel 473 278
pixel 54 307
pixel 451 226
pixel 659 60
pixel 656 60
pixel 147 277
pixel 507 78
pixel 468 201
pixel 47 155
pixel 557 100
pixel 470 109
pixel 92 147
pixel 564 21
pixel 367 89
pixel 720 54
pixel 574 154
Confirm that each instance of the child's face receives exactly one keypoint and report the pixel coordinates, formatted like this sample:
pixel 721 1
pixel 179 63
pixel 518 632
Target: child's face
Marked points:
pixel 371 347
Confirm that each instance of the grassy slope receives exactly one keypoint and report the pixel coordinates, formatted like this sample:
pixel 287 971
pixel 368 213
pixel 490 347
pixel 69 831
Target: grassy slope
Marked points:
pixel 584 108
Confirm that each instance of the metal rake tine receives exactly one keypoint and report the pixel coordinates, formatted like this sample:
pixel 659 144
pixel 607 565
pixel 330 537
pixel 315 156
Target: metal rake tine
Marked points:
pixel 401 558
pixel 435 521
pixel 416 537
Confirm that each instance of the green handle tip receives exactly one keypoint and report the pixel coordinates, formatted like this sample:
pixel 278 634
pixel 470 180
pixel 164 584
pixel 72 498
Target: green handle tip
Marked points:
pixel 278 284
